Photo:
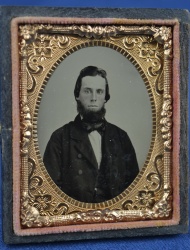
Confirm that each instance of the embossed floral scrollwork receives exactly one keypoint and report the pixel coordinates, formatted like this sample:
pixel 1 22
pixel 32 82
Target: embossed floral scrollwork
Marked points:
pixel 154 180
pixel 101 216
pixel 129 205
pixel 58 41
pixel 150 51
pixel 34 183
pixel 33 65
pixel 146 47
pixel 60 209
pixel 39 50
pixel 39 199
pixel 166 35
pixel 166 121
pixel 31 166
pixel 130 42
pixel 28 31
pixel 29 214
pixel 145 198
pixel 38 47
pixel 163 32
pixel 42 202
pixel 162 209
pixel 42 47
pixel 26 128
pixel 163 35
pixel 95 31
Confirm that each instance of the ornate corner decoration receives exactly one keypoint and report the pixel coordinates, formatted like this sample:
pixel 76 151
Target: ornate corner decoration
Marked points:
pixel 149 48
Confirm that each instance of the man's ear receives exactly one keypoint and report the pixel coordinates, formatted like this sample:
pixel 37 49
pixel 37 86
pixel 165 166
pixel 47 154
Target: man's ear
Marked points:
pixel 77 98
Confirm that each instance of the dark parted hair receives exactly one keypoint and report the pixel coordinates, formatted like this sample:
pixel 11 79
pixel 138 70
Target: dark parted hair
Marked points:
pixel 91 71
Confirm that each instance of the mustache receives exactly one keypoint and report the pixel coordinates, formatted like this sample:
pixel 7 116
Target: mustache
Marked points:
pixel 91 116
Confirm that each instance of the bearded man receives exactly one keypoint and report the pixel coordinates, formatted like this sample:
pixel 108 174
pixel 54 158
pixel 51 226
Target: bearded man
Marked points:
pixel 90 159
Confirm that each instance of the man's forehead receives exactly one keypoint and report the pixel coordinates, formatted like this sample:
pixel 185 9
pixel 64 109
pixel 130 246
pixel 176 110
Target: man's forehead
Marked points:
pixel 93 82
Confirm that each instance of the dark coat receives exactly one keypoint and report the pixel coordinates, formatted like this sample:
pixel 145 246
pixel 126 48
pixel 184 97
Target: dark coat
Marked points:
pixel 71 163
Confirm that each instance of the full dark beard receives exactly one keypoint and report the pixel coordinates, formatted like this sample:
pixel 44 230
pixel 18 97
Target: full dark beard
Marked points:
pixel 90 116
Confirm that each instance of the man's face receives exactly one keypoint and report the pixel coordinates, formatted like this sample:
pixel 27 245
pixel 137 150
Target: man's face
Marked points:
pixel 92 93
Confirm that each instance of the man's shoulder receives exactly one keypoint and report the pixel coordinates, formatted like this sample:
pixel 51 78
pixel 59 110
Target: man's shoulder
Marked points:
pixel 121 135
pixel 115 128
pixel 62 130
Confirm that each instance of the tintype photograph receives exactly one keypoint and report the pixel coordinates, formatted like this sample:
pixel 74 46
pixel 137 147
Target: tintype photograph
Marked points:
pixel 91 157
pixel 96 114
pixel 96 122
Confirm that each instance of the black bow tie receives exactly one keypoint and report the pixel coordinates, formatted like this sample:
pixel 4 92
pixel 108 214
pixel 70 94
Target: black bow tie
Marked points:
pixel 89 127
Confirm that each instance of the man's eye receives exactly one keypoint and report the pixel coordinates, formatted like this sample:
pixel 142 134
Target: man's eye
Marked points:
pixel 100 91
pixel 87 91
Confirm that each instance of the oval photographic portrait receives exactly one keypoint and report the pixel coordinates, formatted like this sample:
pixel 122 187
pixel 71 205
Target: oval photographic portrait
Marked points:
pixel 94 124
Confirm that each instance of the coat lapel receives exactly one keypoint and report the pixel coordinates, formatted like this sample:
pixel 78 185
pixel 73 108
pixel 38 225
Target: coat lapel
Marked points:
pixel 82 144
pixel 110 140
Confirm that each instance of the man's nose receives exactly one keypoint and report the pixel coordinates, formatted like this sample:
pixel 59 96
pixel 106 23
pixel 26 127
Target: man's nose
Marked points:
pixel 94 96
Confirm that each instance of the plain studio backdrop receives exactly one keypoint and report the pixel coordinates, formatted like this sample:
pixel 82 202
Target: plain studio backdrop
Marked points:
pixel 128 108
